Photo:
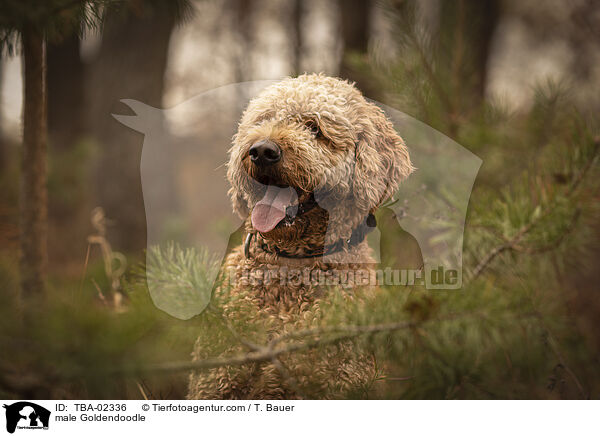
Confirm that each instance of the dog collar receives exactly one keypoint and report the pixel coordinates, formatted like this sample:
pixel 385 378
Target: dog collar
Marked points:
pixel 358 235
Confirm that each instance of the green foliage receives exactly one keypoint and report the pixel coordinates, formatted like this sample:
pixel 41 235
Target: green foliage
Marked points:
pixel 56 19
pixel 53 18
pixel 512 331
pixel 180 279
pixel 71 345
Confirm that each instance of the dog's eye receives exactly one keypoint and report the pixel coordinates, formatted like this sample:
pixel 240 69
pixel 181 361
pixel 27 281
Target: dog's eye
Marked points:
pixel 314 129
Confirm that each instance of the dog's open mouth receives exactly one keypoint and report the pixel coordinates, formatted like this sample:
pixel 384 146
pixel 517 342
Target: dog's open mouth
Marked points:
pixel 280 205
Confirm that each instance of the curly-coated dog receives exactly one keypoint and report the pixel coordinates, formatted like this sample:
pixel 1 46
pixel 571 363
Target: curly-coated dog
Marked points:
pixel 311 162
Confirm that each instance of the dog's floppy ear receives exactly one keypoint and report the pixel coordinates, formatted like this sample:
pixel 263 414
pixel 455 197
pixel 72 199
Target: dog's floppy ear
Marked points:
pixel 382 160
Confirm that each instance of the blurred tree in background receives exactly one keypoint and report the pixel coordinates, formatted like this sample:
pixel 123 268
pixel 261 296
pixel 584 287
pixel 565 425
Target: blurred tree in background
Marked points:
pixel 525 325
pixel 66 92
pixel 355 23
pixel 33 23
pixel 131 63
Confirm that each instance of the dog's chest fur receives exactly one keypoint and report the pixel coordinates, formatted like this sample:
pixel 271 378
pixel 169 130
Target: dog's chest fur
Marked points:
pixel 280 286
pixel 284 302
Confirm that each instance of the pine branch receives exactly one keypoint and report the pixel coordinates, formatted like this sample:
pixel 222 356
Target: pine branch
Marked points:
pixel 288 378
pixel 269 353
pixel 554 244
pixel 513 243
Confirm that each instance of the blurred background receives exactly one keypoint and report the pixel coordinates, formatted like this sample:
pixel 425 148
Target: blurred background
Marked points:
pixel 515 82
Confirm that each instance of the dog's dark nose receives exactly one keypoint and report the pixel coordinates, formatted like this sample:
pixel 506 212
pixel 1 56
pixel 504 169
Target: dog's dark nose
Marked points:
pixel 265 153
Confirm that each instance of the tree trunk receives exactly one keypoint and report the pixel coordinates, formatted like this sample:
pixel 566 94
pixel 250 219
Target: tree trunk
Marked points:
pixel 66 121
pixel 131 64
pixel 355 21
pixel 2 140
pixel 68 207
pixel 297 37
pixel 33 219
pixel 466 32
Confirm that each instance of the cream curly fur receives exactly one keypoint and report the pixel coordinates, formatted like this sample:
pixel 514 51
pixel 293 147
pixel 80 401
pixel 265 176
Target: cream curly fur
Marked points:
pixel 356 164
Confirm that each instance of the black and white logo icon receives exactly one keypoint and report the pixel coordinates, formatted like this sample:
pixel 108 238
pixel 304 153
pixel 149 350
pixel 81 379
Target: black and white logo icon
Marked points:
pixel 26 415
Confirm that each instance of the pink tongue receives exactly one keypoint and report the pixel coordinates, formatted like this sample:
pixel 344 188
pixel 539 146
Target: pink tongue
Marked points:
pixel 269 211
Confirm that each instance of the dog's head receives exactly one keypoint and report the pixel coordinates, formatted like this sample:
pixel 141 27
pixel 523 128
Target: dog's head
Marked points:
pixel 312 149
